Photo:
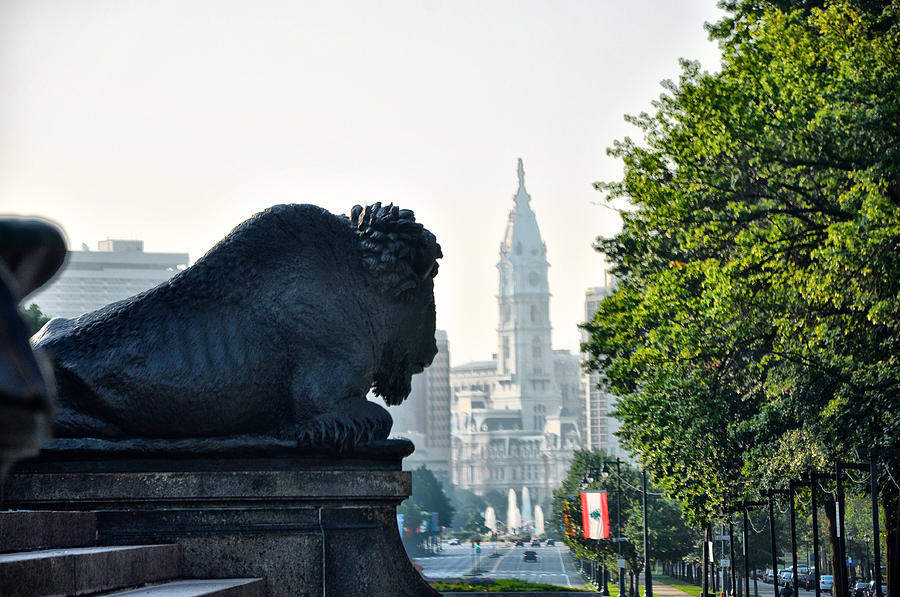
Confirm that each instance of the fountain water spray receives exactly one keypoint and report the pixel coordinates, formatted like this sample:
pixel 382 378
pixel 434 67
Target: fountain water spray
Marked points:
pixel 538 520
pixel 490 518
pixel 512 511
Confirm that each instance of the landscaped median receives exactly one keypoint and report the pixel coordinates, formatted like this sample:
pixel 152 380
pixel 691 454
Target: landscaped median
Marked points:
pixel 502 587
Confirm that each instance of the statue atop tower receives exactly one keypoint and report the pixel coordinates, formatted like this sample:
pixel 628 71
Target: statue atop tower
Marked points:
pixel 522 196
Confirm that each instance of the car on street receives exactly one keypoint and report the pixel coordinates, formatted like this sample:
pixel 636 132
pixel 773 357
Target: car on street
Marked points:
pixel 768 575
pixel 535 542
pixel 520 543
pixel 549 542
pixel 454 541
pixel 826 583
pixel 870 589
pixel 530 556
pixel 809 581
pixel 858 589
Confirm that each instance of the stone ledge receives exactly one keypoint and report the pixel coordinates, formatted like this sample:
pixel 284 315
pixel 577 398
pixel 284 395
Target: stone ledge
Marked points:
pixel 306 530
pixel 56 489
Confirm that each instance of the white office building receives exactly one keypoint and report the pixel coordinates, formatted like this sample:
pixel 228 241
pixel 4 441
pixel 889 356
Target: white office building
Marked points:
pixel 118 269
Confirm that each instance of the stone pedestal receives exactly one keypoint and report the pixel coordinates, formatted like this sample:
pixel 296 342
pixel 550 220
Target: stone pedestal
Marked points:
pixel 308 524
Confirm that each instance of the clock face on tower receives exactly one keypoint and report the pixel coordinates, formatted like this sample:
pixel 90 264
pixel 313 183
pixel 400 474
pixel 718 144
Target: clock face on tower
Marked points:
pixel 534 278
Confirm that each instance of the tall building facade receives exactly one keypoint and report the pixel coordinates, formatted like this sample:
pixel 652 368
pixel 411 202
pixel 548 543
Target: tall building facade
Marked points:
pixel 599 426
pixel 514 417
pixel 117 270
pixel 424 417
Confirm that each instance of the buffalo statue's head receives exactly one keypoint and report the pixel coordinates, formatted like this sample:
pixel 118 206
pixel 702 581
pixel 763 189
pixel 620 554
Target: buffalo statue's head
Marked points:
pixel 401 255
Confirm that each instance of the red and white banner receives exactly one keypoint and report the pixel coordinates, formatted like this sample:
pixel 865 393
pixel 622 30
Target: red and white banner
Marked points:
pixel 594 515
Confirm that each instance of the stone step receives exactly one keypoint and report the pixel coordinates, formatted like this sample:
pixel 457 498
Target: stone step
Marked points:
pixel 86 570
pixel 24 530
pixel 219 587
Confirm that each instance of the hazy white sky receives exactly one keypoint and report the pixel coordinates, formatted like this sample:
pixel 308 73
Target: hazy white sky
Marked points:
pixel 173 121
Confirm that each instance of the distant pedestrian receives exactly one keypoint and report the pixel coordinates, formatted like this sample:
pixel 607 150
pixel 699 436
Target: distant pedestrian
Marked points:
pixel 786 591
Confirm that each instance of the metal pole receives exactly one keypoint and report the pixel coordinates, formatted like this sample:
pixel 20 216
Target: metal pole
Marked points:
pixel 793 540
pixel 815 529
pixel 725 583
pixel 648 580
pixel 876 549
pixel 731 553
pixel 772 537
pixel 619 526
pixel 706 544
pixel 840 585
pixel 712 557
pixel 746 555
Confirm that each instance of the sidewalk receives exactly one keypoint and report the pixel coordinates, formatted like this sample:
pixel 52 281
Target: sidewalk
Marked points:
pixel 661 590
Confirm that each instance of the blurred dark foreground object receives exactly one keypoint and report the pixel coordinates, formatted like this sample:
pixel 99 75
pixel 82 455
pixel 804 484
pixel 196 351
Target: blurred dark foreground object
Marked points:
pixel 31 251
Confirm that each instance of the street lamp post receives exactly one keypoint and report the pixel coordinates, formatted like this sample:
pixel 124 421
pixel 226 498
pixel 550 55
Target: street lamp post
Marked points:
pixel 586 480
pixel 618 538
pixel 648 579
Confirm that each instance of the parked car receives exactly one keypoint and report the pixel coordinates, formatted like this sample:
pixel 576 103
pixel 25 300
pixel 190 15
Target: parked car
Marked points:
pixel 870 589
pixel 858 589
pixel 810 580
pixel 826 583
pixel 529 556
pixel 768 575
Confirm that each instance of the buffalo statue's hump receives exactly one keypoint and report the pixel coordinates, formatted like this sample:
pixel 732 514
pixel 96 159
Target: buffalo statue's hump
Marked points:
pixel 279 331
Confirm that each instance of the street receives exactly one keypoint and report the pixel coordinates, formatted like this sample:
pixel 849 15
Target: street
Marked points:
pixel 766 590
pixel 553 566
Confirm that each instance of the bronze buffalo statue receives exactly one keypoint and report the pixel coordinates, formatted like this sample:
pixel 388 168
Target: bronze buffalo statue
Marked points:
pixel 279 331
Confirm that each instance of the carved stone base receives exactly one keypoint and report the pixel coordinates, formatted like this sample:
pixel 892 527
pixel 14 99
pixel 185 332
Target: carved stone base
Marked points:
pixel 316 525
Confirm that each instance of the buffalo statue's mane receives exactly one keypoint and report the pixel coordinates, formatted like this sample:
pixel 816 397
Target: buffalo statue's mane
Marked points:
pixel 398 251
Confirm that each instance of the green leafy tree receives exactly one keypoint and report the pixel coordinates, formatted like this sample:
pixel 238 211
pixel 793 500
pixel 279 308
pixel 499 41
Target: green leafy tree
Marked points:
pixel 428 494
pixel 465 502
pixel 755 329
pixel 473 527
pixel 413 515
pixel 34 319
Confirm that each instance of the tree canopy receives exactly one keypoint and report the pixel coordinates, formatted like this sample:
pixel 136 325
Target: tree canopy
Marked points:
pixel 428 496
pixel 34 319
pixel 755 331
